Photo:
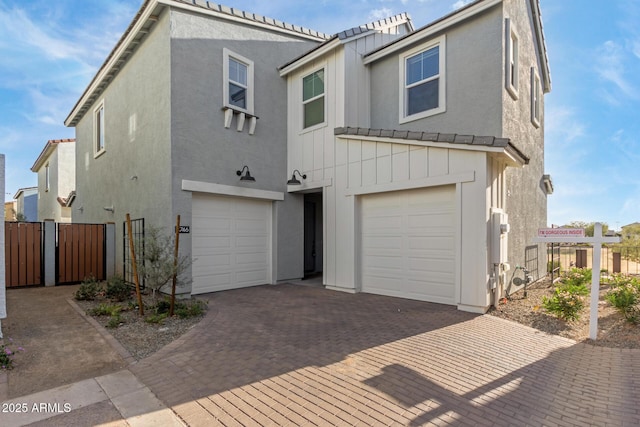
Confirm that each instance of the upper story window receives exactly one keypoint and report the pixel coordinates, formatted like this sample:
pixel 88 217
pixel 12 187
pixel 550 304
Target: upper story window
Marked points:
pixel 536 98
pixel 422 79
pixel 313 105
pixel 511 60
pixel 47 177
pixel 238 82
pixel 98 129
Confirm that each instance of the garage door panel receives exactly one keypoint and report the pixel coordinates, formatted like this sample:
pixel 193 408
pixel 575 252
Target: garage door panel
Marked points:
pixel 231 242
pixel 415 257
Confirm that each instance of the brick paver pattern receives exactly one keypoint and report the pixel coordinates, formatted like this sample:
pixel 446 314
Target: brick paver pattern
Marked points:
pixel 297 355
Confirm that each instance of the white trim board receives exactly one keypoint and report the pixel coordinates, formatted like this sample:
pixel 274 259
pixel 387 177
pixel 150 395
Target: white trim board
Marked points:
pixel 433 181
pixel 230 190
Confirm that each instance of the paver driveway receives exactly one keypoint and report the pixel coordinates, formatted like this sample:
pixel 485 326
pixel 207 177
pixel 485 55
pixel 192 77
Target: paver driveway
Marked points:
pixel 295 355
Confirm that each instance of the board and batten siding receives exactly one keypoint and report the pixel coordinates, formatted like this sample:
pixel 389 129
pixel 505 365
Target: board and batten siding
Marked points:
pixel 366 166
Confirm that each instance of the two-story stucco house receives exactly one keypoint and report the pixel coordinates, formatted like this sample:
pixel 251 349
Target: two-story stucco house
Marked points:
pixel 27 203
pixel 56 169
pixel 385 159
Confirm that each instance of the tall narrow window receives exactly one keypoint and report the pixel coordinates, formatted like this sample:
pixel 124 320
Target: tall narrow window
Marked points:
pixel 238 82
pixel 47 177
pixel 313 99
pixel 536 98
pixel 99 129
pixel 512 67
pixel 422 78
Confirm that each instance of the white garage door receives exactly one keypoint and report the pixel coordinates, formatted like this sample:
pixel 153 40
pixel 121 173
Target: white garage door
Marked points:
pixel 408 244
pixel 231 242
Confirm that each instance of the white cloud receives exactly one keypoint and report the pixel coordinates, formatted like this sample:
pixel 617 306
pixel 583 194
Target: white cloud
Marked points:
pixel 460 3
pixel 611 67
pixel 562 125
pixel 378 14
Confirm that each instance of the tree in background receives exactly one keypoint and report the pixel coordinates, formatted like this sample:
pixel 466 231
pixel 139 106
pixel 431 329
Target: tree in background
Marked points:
pixel 588 227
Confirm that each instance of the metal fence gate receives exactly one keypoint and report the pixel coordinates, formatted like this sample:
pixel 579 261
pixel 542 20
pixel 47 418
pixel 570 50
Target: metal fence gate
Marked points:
pixel 23 242
pixel 137 231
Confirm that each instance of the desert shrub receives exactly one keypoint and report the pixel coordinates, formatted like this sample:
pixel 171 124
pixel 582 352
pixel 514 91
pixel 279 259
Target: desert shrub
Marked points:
pixel 564 304
pixel 105 310
pixel 157 318
pixel 577 277
pixel 625 297
pixel 118 289
pixel 193 309
pixel 114 321
pixel 88 290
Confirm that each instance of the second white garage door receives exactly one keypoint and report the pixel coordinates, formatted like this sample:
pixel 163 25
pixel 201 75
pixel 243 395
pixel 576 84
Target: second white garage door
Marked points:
pixel 408 244
pixel 231 242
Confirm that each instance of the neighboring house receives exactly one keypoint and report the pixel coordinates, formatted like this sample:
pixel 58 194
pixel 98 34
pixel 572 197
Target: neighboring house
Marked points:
pixel 56 169
pixel 27 203
pixel 407 147
pixel 10 210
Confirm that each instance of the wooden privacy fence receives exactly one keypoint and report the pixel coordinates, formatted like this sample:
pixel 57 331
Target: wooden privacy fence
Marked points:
pixel 81 251
pixel 23 243
pixel 46 253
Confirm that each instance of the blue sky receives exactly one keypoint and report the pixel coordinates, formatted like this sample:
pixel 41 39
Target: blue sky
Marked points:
pixel 50 50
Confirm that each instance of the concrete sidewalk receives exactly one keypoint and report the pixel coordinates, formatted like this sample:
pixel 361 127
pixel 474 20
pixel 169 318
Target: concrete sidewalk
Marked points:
pixel 118 399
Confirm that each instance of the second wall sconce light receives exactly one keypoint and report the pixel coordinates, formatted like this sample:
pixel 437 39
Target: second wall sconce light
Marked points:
pixel 294 180
pixel 247 176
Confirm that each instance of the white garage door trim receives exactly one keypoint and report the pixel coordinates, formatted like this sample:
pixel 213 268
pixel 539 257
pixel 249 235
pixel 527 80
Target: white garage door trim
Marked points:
pixel 409 244
pixel 231 242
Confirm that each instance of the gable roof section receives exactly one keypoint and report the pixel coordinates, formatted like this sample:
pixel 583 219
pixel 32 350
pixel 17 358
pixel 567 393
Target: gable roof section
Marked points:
pixel 49 148
pixel 473 142
pixel 456 17
pixel 27 191
pixel 141 25
pixel 345 36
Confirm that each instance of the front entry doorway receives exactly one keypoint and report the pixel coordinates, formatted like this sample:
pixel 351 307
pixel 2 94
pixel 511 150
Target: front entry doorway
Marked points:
pixel 313 235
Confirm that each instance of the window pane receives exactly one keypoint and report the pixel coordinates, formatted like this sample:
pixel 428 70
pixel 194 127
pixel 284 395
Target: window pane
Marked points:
pixel 237 96
pixel 423 65
pixel 313 85
pixel 423 97
pixel 100 129
pixel 314 112
pixel 237 72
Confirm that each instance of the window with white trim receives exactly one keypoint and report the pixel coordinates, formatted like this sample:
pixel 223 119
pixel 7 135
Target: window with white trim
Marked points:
pixel 536 98
pixel 313 96
pixel 422 79
pixel 511 60
pixel 238 89
pixel 47 177
pixel 98 129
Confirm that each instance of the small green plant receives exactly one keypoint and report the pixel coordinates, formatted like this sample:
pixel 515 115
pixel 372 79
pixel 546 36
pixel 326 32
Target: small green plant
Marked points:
pixel 564 304
pixel 625 297
pixel 104 309
pixel 156 318
pixel 117 289
pixel 577 277
pixel 193 309
pixel 114 321
pixel 88 290
pixel 7 355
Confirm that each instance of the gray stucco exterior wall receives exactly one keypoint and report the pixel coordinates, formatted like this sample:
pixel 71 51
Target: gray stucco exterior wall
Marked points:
pixel 133 175
pixel 202 149
pixel 473 55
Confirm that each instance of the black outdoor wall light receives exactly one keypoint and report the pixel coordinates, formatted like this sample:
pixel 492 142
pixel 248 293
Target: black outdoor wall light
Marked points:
pixel 294 180
pixel 247 176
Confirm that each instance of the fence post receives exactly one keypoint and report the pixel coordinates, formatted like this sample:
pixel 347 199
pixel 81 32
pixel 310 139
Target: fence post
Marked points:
pixel 49 252
pixel 3 301
pixel 110 249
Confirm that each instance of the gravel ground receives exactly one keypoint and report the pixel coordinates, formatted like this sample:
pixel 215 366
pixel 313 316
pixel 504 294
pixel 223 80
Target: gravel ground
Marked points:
pixel 139 337
pixel 613 330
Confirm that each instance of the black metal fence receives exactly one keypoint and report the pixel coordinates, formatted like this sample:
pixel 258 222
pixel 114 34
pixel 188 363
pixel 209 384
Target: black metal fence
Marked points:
pixel 137 232
pixel 613 259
